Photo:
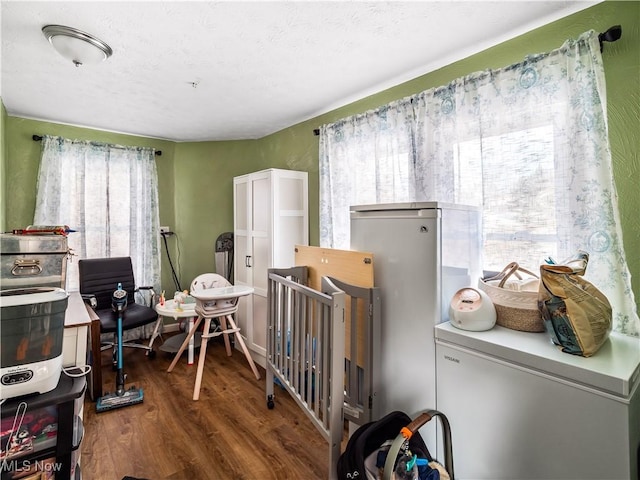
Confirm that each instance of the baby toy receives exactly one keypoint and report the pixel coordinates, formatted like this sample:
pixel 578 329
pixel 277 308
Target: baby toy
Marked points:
pixel 179 299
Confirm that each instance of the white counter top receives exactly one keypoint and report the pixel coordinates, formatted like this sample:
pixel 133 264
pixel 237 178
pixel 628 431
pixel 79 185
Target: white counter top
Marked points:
pixel 614 368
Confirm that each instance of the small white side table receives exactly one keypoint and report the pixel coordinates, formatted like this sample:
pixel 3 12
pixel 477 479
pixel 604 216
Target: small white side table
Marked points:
pixel 172 344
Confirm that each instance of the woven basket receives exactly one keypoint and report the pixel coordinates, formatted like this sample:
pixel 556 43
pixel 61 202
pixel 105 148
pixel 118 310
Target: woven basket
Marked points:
pixel 517 310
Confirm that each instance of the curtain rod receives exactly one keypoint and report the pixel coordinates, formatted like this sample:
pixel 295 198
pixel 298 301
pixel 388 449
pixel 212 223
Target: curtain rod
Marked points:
pixel 38 138
pixel 611 35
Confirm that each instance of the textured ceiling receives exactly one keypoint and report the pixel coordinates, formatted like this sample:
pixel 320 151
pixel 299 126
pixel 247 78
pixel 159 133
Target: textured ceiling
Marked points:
pixel 257 67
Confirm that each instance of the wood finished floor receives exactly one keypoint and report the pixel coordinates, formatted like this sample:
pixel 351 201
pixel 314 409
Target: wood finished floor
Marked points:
pixel 229 433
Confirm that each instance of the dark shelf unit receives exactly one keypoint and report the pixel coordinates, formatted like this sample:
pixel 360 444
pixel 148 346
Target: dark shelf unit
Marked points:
pixel 66 400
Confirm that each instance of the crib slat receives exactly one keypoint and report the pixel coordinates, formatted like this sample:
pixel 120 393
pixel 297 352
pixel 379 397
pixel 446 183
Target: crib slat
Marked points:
pixel 322 386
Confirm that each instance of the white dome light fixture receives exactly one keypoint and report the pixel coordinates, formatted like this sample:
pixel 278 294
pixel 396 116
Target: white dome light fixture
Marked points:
pixel 75 45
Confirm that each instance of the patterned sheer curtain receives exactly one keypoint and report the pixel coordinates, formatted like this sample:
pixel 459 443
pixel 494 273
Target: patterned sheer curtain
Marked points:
pixel 364 159
pixel 109 194
pixel 528 143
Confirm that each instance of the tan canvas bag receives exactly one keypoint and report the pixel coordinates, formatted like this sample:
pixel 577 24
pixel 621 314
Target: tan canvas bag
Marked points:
pixel 576 314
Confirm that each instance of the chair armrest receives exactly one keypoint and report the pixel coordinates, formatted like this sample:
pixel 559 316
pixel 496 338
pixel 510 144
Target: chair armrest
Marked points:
pixel 90 300
pixel 152 295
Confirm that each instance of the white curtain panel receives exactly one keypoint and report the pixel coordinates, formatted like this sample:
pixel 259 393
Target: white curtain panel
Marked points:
pixel 109 194
pixel 364 159
pixel 528 143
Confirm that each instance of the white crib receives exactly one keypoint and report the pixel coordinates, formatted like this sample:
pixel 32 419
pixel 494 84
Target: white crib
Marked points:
pixel 306 351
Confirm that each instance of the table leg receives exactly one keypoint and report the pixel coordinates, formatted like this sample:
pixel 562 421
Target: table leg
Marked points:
pixel 185 344
pixel 156 331
pixel 191 342
pixel 203 353
pixel 227 343
pixel 244 347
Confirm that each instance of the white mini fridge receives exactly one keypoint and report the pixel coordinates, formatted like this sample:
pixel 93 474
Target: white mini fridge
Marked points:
pixel 422 254
pixel 520 408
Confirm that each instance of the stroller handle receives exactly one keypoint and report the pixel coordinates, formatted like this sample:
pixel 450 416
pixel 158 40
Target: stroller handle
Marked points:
pixel 407 432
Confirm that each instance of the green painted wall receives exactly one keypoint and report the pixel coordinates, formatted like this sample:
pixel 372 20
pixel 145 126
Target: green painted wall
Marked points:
pixel 203 199
pixel 196 178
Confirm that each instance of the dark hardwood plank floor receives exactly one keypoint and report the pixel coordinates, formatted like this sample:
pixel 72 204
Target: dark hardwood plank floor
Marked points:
pixel 229 433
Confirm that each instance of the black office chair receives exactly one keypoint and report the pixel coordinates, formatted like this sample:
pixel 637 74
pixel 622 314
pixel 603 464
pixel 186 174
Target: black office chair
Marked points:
pixel 98 279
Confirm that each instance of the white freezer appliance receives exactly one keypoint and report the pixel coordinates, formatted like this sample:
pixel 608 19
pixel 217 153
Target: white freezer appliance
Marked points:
pixel 520 408
pixel 423 254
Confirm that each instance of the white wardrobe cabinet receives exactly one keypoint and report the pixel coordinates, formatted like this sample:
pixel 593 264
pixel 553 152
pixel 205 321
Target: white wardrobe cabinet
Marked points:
pixel 270 218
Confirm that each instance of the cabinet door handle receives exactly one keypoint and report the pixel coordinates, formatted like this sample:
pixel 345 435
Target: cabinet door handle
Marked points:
pixel 247 261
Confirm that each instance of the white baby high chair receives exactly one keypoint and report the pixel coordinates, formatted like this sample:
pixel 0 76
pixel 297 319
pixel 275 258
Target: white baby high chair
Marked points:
pixel 212 301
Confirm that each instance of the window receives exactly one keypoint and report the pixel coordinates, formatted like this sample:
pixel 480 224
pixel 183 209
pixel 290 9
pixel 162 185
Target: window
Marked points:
pixel 528 143
pixel 108 194
pixel 513 177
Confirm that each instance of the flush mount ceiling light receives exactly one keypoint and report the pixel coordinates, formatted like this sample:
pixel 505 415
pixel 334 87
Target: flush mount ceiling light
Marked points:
pixel 76 45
